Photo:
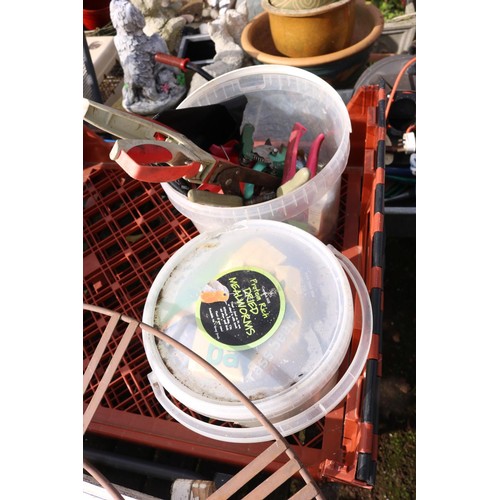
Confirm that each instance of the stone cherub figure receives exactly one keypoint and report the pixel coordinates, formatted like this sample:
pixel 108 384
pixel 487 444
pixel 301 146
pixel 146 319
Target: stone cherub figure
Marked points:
pixel 149 87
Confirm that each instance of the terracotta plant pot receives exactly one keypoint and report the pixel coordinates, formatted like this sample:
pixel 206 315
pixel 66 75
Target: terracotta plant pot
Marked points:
pixel 311 32
pixel 95 14
pixel 335 67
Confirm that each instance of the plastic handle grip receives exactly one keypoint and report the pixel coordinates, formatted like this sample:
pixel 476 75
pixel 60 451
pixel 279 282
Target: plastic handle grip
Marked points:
pixel 291 152
pixel 145 161
pixel 169 60
pixel 312 160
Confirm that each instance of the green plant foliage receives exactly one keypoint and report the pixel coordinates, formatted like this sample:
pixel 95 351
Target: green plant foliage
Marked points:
pixel 390 8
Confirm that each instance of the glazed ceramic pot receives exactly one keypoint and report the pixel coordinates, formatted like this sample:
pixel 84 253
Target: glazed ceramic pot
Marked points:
pixel 310 32
pixel 95 14
pixel 336 67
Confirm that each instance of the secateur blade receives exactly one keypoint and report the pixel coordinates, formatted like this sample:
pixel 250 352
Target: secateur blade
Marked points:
pixel 231 177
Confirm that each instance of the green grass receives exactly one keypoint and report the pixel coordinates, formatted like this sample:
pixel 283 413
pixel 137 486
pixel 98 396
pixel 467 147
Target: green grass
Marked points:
pixel 396 466
pixel 396 470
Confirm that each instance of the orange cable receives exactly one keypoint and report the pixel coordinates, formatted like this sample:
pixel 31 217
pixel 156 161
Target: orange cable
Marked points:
pixel 396 83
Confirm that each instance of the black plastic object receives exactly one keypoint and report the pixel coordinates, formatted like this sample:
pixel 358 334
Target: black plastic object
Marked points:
pixel 90 84
pixel 137 465
pixel 199 48
pixel 207 125
pixel 403 111
pixel 387 69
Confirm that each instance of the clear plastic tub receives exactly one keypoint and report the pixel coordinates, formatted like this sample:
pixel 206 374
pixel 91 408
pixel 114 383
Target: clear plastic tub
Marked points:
pixel 278 97
pixel 279 331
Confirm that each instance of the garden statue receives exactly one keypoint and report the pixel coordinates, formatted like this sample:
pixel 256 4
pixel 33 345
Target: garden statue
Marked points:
pixel 149 87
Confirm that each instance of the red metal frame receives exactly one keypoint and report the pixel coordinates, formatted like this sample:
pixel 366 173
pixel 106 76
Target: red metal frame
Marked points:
pixel 130 231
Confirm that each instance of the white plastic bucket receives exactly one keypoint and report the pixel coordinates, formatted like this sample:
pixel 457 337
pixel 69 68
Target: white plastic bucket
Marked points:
pixel 286 364
pixel 278 97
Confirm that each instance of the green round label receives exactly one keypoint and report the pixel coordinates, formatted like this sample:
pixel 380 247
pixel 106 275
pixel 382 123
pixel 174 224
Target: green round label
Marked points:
pixel 241 308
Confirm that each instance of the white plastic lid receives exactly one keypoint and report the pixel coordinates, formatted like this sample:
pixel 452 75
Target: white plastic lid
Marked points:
pixel 264 302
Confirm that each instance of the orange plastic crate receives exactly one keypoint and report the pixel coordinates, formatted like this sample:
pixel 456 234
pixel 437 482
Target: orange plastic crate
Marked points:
pixel 130 231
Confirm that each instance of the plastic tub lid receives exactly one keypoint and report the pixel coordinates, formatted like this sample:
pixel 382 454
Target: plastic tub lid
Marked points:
pixel 304 418
pixel 264 302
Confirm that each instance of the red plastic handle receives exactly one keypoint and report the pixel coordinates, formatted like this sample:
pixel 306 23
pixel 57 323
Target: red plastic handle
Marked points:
pixel 312 160
pixel 289 168
pixel 136 162
pixel 169 60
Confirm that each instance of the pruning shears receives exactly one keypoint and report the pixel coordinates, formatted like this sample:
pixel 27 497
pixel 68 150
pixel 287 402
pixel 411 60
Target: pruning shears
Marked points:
pixel 149 151
pixel 144 146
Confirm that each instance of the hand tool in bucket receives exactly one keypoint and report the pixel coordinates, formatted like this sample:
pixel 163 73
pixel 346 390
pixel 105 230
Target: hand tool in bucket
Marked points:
pixel 149 151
